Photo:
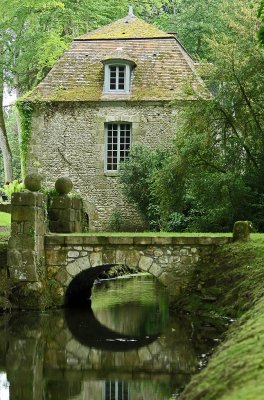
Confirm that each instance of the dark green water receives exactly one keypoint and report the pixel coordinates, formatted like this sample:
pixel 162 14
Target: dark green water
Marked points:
pixel 128 347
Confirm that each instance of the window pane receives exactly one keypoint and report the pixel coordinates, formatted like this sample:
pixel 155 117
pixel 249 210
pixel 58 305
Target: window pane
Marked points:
pixel 118 144
pixel 112 390
pixel 117 77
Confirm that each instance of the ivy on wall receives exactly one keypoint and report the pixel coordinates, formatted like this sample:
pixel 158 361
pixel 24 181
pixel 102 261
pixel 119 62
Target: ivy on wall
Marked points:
pixel 25 110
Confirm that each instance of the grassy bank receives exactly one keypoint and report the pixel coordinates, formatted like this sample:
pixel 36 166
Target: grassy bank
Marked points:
pixel 231 286
pixel 5 219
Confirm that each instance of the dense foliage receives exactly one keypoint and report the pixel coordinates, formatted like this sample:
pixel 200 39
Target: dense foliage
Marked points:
pixel 261 24
pixel 214 174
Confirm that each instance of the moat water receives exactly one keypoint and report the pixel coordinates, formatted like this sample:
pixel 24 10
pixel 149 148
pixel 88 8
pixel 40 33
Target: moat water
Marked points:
pixel 127 347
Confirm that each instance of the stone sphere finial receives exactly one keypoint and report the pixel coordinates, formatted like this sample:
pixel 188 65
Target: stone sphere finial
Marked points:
pixel 32 182
pixel 63 185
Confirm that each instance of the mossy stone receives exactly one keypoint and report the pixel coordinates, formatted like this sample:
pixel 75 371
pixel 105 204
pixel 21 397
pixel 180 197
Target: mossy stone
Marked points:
pixel 241 231
pixel 32 182
pixel 63 185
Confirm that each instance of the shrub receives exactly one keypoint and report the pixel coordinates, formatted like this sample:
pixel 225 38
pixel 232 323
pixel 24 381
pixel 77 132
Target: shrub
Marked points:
pixel 12 187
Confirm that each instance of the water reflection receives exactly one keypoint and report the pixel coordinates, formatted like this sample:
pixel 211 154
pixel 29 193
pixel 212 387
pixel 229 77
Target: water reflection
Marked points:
pixel 123 349
pixel 88 331
pixel 4 386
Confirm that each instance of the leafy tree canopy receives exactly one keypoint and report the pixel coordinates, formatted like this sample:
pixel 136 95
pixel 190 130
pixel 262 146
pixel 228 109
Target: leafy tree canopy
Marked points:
pixel 214 175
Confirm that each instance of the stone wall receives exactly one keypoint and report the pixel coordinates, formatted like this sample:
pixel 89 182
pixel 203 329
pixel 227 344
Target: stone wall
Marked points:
pixel 170 259
pixel 68 139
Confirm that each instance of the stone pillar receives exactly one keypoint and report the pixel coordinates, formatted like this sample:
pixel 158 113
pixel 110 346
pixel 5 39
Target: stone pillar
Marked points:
pixel 65 214
pixel 26 260
pixel 241 231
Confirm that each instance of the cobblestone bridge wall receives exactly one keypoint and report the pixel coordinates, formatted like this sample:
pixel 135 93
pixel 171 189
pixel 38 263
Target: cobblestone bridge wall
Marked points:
pixel 170 259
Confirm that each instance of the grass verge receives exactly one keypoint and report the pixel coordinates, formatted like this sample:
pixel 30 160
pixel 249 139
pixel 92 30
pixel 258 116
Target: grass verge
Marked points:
pixel 232 285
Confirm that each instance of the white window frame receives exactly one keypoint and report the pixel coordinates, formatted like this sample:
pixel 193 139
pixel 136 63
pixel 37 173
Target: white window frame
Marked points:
pixel 118 143
pixel 127 78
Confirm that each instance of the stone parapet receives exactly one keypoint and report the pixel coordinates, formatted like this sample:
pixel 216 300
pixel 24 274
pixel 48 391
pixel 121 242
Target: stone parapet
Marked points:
pixel 138 240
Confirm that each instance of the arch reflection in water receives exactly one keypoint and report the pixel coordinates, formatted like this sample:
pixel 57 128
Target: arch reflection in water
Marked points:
pixel 123 317
pixel 137 306
pixel 88 331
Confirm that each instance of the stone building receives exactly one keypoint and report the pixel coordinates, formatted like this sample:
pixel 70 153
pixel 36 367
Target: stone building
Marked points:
pixel 120 85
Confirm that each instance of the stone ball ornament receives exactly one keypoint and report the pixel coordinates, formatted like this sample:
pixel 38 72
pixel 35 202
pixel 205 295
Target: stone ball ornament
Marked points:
pixel 32 182
pixel 63 185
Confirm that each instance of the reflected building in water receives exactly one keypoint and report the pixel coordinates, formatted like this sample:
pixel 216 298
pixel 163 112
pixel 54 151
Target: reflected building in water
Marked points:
pixel 115 390
pixel 90 355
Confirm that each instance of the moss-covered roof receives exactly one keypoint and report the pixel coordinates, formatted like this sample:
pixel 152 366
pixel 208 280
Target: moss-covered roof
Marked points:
pixel 164 71
pixel 129 27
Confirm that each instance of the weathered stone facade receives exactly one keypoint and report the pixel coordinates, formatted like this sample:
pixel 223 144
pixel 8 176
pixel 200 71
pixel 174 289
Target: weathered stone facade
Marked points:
pixel 69 141
pixel 127 74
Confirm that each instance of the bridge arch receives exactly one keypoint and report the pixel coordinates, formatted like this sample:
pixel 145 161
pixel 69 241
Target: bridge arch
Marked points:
pixel 79 290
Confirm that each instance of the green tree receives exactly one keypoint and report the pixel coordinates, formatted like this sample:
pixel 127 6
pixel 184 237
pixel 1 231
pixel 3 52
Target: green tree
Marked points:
pixel 13 140
pixel 221 140
pixel 261 22
pixel 136 176
pixel 193 22
pixel 214 174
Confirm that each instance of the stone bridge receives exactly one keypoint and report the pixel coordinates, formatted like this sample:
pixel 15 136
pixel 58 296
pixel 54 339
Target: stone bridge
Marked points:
pixel 45 264
pixel 170 259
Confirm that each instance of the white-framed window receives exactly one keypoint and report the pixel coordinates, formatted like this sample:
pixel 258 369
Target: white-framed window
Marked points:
pixel 117 76
pixel 118 144
pixel 115 390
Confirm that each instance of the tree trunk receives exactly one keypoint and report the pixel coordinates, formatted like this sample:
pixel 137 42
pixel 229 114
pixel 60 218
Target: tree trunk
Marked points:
pixel 4 145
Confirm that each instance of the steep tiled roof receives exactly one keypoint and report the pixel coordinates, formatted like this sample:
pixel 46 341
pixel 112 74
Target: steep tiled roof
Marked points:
pixel 163 69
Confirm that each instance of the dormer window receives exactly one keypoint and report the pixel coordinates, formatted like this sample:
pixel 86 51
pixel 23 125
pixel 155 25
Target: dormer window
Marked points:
pixel 117 76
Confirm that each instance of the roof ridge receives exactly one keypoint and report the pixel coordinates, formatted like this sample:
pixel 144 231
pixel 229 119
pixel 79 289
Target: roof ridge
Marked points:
pixel 128 27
